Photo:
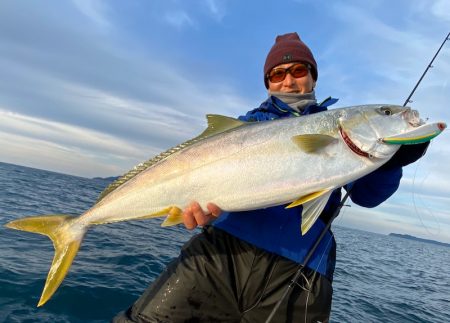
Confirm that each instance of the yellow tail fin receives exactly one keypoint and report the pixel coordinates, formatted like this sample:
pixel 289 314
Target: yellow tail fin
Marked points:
pixel 66 240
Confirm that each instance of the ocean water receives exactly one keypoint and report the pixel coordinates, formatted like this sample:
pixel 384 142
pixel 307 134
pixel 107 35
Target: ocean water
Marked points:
pixel 378 278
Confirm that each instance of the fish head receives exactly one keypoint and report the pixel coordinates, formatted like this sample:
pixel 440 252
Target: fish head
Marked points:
pixel 363 128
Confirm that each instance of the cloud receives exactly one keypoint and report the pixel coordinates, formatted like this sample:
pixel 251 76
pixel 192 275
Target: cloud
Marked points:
pixel 186 14
pixel 63 134
pixel 51 156
pixel 216 8
pixel 121 129
pixel 94 10
pixel 91 98
pixel 441 9
pixel 179 19
pixel 66 148
pixel 100 86
pixel 389 56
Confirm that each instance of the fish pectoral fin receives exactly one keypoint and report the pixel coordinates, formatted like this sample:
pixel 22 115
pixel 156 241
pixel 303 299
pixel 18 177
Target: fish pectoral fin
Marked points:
pixel 174 217
pixel 218 124
pixel 311 143
pixel 306 198
pixel 312 211
pixel 66 241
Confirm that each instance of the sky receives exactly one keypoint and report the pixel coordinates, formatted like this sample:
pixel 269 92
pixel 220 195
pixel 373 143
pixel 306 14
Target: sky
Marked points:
pixel 92 87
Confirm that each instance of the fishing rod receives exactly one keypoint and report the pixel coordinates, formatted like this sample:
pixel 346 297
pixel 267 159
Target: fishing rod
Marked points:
pixel 408 100
pixel 297 275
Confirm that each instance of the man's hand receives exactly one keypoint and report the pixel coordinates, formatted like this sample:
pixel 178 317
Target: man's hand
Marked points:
pixel 406 155
pixel 193 215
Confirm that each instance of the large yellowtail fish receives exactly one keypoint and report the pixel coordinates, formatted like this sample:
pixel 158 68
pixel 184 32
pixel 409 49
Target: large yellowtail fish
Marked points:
pixel 243 166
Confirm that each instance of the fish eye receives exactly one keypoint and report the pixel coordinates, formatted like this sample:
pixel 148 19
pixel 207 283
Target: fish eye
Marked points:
pixel 386 111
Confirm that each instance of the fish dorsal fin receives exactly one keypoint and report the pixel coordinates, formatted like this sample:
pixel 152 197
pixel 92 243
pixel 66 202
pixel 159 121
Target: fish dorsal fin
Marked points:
pixel 216 124
pixel 311 143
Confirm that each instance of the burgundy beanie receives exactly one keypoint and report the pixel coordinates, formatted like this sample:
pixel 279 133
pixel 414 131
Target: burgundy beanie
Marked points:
pixel 289 48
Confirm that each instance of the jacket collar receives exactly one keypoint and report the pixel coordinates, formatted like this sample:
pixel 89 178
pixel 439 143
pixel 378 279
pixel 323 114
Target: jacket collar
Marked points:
pixel 278 107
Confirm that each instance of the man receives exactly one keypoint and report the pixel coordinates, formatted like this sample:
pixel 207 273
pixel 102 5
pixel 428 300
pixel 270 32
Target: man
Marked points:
pixel 237 268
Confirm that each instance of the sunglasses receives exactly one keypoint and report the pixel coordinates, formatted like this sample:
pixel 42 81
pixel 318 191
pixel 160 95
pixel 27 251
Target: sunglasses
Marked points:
pixel 297 71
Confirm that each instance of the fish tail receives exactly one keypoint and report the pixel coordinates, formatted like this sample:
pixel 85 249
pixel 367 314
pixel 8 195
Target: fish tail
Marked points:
pixel 66 238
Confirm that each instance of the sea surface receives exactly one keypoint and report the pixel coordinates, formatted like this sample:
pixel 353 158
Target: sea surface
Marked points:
pixel 378 278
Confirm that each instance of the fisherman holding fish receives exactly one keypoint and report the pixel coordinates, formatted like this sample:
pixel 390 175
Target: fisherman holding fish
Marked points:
pixel 277 174
pixel 238 267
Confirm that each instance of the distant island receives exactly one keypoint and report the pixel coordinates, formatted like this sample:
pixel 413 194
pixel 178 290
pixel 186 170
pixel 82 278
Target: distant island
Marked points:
pixel 407 236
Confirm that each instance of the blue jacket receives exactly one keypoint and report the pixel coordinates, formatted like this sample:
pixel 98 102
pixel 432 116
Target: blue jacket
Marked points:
pixel 277 229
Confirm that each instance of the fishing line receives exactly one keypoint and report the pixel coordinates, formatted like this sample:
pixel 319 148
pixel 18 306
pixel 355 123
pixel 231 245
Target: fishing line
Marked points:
pixel 413 195
pixel 320 261
pixel 341 217
pixel 307 258
pixel 298 274
pixel 309 292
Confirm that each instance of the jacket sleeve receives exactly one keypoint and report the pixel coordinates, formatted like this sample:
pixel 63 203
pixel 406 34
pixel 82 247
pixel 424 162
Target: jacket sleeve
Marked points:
pixel 376 187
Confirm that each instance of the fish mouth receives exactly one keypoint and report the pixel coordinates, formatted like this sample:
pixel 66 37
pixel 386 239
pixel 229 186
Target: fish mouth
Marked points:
pixel 413 118
pixel 351 144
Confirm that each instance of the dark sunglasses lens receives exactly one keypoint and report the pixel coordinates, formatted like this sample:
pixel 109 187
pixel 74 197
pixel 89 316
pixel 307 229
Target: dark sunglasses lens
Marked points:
pixel 298 71
pixel 277 75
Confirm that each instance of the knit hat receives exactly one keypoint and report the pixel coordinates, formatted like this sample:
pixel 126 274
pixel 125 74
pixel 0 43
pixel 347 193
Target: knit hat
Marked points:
pixel 289 48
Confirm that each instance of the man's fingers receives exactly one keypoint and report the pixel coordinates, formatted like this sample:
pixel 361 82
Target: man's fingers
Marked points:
pixel 214 209
pixel 200 217
pixel 194 215
pixel 189 219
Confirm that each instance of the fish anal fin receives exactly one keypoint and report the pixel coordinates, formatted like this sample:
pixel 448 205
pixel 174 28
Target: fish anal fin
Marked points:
pixel 307 198
pixel 312 210
pixel 158 214
pixel 174 217
pixel 311 143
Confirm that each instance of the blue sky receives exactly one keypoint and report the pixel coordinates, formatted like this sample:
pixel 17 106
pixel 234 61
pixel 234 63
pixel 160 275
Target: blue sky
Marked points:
pixel 92 87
